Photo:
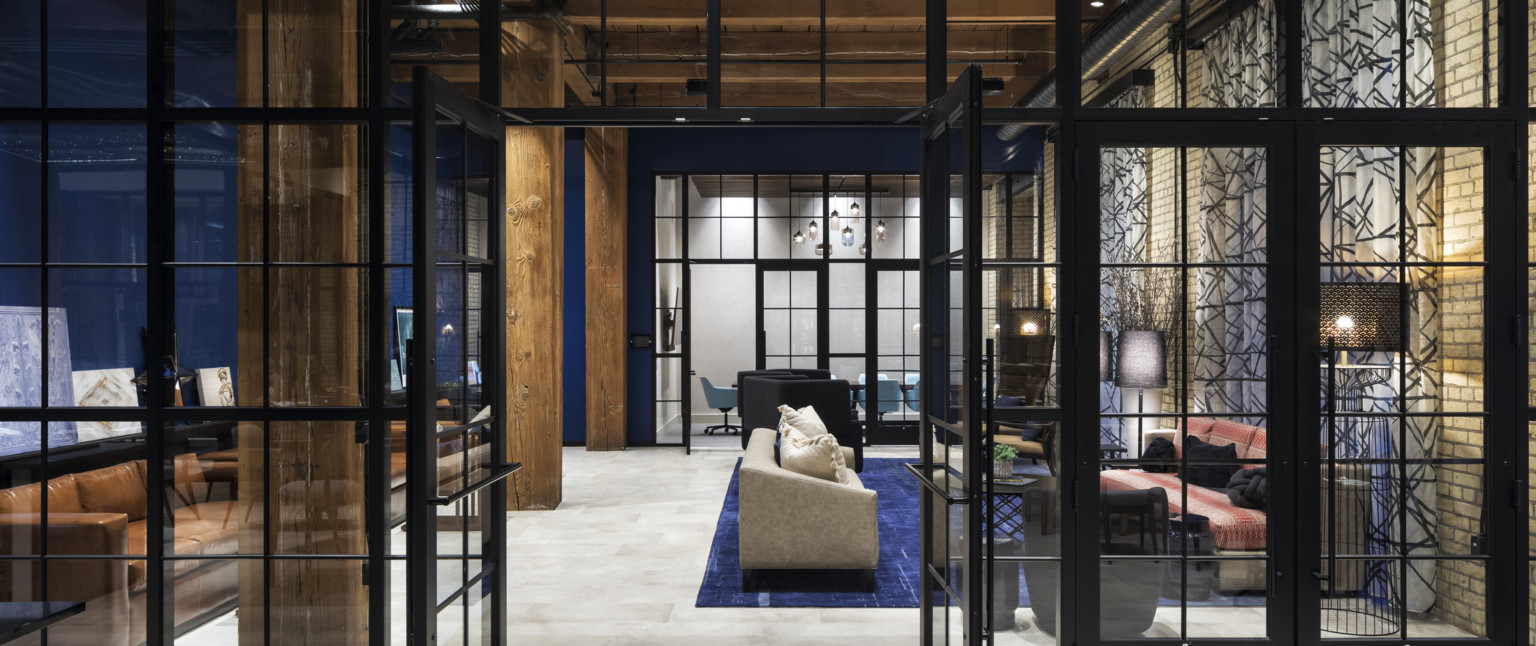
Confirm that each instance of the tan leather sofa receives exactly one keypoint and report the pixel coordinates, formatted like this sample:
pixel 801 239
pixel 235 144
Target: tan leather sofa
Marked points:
pixel 102 512
pixel 793 521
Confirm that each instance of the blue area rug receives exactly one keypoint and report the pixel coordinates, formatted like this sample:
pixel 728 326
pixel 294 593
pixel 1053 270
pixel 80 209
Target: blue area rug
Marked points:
pixel 898 580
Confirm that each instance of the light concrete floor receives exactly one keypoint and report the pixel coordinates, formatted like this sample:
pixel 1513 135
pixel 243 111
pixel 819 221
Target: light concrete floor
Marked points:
pixel 621 560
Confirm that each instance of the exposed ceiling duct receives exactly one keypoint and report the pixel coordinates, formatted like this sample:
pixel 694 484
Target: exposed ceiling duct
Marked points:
pixel 1122 32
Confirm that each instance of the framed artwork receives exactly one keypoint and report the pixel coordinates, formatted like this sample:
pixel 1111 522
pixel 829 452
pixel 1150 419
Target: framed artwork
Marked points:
pixel 111 387
pixel 21 383
pixel 474 373
pixel 394 375
pixel 405 329
pixel 215 387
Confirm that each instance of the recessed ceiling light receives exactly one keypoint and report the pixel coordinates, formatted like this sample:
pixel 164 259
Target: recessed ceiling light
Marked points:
pixel 681 119
pixel 1096 3
pixel 746 119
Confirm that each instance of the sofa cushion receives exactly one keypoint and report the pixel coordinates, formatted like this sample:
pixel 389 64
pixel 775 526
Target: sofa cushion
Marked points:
pixel 1208 475
pixel 1233 527
pixel 805 419
pixel 63 498
pixel 1230 432
pixel 118 489
pixel 817 457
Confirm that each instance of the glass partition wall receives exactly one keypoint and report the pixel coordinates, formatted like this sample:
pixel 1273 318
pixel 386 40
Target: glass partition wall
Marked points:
pixel 817 271
pixel 203 414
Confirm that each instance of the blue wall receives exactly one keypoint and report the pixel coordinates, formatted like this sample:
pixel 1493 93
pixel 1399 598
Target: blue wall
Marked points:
pixel 574 362
pixel 747 150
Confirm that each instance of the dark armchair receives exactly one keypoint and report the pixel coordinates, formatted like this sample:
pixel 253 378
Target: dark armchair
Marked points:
pixel 761 397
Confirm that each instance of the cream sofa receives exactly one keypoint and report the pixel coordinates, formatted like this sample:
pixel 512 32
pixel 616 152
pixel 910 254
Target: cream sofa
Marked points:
pixel 790 521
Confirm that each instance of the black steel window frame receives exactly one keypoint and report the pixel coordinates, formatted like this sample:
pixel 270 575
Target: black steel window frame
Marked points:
pixel 873 266
pixel 373 117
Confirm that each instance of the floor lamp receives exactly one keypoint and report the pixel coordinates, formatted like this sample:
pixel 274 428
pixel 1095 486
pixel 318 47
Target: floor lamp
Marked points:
pixel 1362 317
pixel 1140 363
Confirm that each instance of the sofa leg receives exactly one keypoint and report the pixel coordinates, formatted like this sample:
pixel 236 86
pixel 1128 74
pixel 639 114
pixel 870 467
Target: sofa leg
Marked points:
pixel 749 580
pixel 867 580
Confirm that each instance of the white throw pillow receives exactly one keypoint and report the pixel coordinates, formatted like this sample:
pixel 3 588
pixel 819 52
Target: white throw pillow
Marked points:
pixel 817 457
pixel 804 419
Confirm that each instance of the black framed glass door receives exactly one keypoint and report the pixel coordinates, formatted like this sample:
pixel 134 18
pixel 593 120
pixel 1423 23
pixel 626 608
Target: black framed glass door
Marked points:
pixel 792 319
pixel 1399 339
pixel 950 436
pixel 456 493
pixel 1191 243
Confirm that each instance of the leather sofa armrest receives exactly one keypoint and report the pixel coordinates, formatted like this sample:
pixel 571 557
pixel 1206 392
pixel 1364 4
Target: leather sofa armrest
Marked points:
pixel 103 534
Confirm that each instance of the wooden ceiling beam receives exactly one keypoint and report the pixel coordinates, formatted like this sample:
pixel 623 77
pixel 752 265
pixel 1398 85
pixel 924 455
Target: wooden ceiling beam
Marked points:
pixel 1012 42
pixel 678 14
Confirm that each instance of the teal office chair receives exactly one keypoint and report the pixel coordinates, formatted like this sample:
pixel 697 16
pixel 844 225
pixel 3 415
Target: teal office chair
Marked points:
pixel 911 395
pixel 723 400
pixel 887 395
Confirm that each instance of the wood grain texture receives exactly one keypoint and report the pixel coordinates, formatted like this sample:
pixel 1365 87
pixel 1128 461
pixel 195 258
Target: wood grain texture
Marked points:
pixel 803 13
pixel 535 230
pixel 308 476
pixel 607 170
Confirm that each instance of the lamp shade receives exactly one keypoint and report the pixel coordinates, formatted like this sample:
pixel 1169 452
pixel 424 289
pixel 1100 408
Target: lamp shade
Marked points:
pixel 1362 316
pixel 1106 355
pixel 1140 361
pixel 1030 321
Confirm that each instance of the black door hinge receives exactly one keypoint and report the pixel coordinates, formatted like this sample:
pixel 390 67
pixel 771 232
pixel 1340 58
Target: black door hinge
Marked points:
pixel 360 433
pixel 366 578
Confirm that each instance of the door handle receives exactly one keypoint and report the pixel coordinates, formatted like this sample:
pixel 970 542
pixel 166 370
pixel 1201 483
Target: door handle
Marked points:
pixel 1320 576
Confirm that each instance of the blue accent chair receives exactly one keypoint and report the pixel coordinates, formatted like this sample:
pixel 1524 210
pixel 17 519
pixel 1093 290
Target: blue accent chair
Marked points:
pixel 912 395
pixel 888 396
pixel 723 400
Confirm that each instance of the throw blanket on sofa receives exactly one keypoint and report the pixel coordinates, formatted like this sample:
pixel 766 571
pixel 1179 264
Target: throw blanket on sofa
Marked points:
pixel 1249 488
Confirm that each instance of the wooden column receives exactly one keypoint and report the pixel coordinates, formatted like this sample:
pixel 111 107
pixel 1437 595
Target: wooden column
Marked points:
pixel 607 214
pixel 300 329
pixel 531 53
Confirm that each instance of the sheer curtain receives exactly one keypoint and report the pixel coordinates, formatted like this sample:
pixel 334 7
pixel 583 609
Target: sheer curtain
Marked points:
pixel 1124 215
pixel 1380 204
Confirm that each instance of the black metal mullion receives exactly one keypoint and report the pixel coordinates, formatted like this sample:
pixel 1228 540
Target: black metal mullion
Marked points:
pixel 376 477
pixel 160 590
pixel 421 545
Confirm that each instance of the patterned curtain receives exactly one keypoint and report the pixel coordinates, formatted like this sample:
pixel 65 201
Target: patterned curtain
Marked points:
pixel 1124 215
pixel 1231 335
pixel 1352 49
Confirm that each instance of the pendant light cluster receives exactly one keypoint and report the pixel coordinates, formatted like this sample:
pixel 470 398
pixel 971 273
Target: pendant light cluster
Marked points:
pixel 845 231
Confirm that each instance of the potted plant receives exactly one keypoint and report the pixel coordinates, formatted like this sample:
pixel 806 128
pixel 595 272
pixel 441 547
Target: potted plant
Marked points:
pixel 1002 460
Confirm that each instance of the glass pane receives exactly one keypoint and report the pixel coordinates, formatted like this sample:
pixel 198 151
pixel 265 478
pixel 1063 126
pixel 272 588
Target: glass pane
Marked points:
pixel 209 325
pixel 23 82
pixel 894 201
pixel 1013 41
pixel 207 41
pixel 21 167
pixel 100 313
pixel 213 166
pixel 21 350
pixel 302 39
pixel 317 170
pixel 96 181
pixel 317 336
pixel 1355 54
pixel 96 54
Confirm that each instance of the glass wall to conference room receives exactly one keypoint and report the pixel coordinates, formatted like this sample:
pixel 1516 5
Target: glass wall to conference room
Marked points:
pixel 736 291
